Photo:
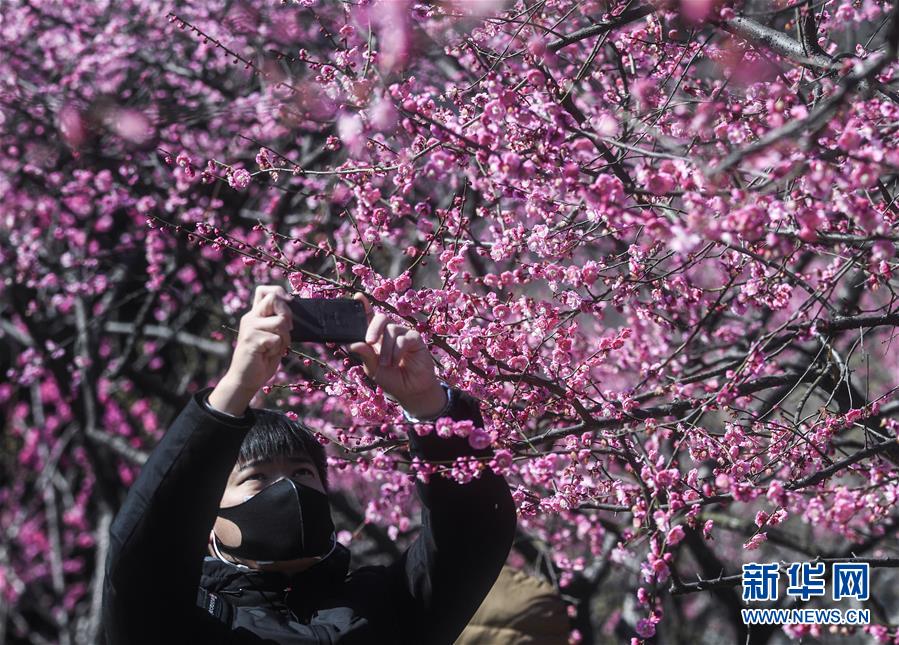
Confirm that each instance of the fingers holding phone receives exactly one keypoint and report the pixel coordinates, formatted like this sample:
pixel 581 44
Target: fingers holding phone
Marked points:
pixel 395 357
pixel 262 340
pixel 366 305
pixel 379 331
pixel 367 350
pixel 264 290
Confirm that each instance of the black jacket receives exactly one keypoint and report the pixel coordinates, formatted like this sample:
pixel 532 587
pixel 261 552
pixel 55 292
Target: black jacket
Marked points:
pixel 161 588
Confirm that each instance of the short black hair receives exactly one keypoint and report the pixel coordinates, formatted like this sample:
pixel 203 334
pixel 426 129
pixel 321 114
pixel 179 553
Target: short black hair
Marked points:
pixel 274 434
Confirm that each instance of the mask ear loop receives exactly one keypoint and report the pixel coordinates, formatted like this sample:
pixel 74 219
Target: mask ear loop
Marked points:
pixel 328 554
pixel 333 545
pixel 218 554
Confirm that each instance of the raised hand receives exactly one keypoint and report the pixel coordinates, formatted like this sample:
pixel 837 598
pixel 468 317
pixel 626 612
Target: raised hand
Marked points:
pixel 262 340
pixel 397 358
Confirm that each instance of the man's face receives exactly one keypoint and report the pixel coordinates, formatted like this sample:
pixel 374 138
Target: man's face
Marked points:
pixel 249 479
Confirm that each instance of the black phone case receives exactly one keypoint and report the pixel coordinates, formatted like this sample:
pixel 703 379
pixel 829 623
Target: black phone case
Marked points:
pixel 328 320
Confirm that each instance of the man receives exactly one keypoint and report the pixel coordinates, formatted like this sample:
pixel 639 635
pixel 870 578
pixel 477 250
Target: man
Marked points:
pixel 226 536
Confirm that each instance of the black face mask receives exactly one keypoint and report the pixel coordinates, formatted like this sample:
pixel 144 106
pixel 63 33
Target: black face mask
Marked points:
pixel 284 521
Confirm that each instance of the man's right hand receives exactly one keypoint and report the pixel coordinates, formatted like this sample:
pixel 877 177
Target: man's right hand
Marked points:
pixel 263 339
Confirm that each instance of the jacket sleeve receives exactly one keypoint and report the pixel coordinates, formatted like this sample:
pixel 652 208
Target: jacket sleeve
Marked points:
pixel 466 533
pixel 159 536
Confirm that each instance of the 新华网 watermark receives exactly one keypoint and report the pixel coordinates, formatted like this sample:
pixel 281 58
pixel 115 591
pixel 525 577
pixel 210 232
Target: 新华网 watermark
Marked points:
pixel 806 580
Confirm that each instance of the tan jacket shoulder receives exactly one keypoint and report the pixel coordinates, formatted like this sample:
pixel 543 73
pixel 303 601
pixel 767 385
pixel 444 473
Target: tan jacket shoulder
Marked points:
pixel 519 610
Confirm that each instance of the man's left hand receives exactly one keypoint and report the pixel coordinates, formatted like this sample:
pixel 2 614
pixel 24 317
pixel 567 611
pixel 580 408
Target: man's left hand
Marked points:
pixel 397 358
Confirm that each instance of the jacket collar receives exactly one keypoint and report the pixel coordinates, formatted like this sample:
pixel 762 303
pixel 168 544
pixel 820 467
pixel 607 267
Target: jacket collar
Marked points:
pixel 242 587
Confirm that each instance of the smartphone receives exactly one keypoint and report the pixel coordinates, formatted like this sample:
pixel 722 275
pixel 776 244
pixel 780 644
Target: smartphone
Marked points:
pixel 328 320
